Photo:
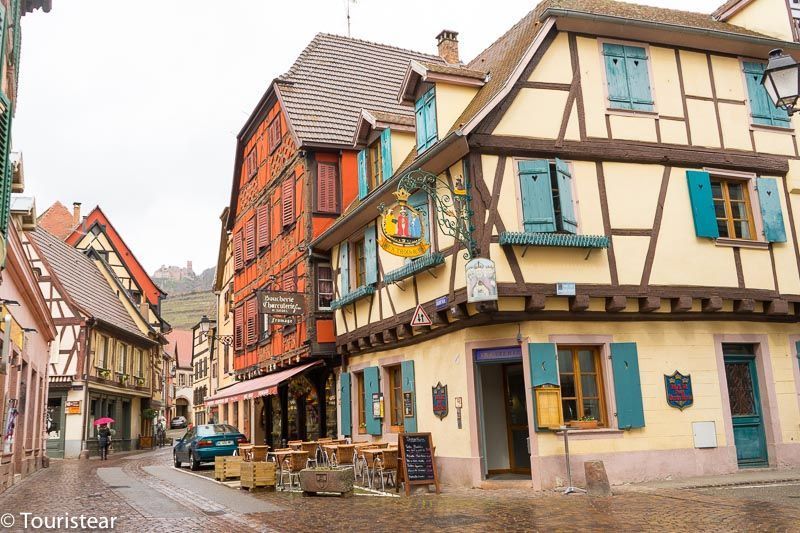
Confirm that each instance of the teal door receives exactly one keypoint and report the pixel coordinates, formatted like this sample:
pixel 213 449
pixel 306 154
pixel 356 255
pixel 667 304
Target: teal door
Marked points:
pixel 745 402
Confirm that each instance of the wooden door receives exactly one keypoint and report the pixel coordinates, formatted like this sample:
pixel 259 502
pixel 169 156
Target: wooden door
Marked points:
pixel 516 418
pixel 746 413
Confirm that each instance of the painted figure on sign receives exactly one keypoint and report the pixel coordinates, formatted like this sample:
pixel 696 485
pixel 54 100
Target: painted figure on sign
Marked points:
pixel 402 223
pixel 414 226
pixel 389 223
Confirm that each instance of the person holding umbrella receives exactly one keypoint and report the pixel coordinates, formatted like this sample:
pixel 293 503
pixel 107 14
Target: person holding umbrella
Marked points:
pixel 103 436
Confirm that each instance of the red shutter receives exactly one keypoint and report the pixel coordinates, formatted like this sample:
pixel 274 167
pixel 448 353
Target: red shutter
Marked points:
pixel 238 328
pixel 326 188
pixel 262 226
pixel 251 313
pixel 250 239
pixel 274 133
pixel 289 281
pixel 238 258
pixel 287 202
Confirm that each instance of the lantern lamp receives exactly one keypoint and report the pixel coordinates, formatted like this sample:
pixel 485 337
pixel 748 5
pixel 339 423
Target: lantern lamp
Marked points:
pixel 781 79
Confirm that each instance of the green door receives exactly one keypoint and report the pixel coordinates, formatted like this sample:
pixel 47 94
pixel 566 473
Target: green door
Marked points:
pixel 745 402
pixel 54 425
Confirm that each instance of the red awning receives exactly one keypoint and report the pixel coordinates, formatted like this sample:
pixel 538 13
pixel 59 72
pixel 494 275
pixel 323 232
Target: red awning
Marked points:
pixel 254 388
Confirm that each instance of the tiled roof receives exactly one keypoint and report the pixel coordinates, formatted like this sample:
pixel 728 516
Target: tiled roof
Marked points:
pixel 58 220
pixel 84 283
pixel 724 7
pixel 181 340
pixel 454 70
pixel 336 77
pixel 392 118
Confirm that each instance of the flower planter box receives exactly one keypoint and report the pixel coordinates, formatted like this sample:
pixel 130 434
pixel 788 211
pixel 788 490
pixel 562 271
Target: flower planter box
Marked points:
pixel 256 474
pixel 227 467
pixel 315 480
pixel 583 424
pixel 145 442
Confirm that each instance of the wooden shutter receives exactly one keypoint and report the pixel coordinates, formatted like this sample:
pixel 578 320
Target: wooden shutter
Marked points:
pixel 771 214
pixel 274 133
pixel 371 386
pixel 251 316
pixel 6 176
pixel 705 217
pixel 636 67
pixel 250 239
pixel 407 369
pixel 544 363
pixel 430 118
pixel 538 213
pixel 287 202
pixel 326 187
pixel 386 153
pixel 346 422
pixel 616 77
pixel 238 328
pixel 238 254
pixel 569 222
pixel 371 255
pixel 762 110
pixel 262 226
pixel 627 385
pixel 419 110
pixel 289 281
pixel 344 269
pixel 363 186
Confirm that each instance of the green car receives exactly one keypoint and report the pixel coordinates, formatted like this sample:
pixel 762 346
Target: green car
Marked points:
pixel 202 444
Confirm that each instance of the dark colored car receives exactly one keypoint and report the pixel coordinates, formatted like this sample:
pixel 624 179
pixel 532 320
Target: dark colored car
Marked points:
pixel 202 444
pixel 177 422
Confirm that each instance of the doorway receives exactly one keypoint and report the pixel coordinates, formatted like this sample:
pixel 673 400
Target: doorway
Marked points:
pixel 516 419
pixel 745 402
pixel 54 425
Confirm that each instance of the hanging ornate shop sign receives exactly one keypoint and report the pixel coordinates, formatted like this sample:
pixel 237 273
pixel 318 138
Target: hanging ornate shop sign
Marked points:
pixel 481 280
pixel 679 390
pixel 439 393
pixel 281 303
pixel 403 228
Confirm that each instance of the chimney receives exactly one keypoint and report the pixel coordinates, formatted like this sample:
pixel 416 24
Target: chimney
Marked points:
pixel 448 46
pixel 76 213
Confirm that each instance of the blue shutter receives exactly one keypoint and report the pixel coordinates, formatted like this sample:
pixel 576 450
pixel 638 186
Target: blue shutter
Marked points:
pixel 705 218
pixel 430 118
pixel 344 270
pixel 346 423
pixel 407 369
pixel 797 351
pixel 370 255
pixel 544 363
pixel 6 173
pixel 371 386
pixel 419 201
pixel 771 215
pixel 419 110
pixel 363 187
pixel 386 153
pixel 638 78
pixel 762 110
pixel 569 222
pixel 538 213
pixel 627 385
pixel 616 77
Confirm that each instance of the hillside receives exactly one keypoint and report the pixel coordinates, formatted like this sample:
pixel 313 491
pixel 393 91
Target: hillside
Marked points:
pixel 203 282
pixel 183 311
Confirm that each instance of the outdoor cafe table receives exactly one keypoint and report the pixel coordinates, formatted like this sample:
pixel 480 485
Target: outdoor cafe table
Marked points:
pixel 299 445
pixel 370 455
pixel 329 450
pixel 279 457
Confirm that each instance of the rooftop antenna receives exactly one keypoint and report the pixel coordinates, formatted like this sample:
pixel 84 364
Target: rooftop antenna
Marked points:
pixel 348 2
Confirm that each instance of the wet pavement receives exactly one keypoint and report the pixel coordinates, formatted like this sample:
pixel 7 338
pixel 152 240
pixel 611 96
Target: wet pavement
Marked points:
pixel 144 493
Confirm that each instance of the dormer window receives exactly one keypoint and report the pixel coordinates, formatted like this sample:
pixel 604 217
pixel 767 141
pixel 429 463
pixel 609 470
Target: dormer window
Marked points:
pixel 375 164
pixel 425 109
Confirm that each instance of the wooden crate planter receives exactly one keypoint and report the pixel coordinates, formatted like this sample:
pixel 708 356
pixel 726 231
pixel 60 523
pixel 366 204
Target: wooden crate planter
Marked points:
pixel 314 480
pixel 227 467
pixel 256 474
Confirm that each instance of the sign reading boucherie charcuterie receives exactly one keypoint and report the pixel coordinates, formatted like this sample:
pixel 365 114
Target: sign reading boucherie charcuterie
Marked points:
pixel 281 303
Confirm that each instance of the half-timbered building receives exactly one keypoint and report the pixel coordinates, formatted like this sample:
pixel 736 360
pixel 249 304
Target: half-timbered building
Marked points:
pixel 635 189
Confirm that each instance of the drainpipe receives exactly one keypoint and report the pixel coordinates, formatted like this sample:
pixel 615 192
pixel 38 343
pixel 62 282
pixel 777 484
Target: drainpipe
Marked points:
pixel 86 365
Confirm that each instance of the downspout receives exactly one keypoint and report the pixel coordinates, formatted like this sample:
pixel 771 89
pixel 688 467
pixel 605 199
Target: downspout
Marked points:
pixel 87 353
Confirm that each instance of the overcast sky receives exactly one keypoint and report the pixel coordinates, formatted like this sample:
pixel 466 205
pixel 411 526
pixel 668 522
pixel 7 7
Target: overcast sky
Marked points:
pixel 135 104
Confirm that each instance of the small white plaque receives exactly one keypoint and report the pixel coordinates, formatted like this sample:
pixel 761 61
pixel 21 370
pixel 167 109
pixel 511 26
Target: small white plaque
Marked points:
pixel 705 434
pixel 565 289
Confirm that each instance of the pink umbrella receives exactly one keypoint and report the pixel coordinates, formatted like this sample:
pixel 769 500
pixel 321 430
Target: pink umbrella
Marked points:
pixel 104 420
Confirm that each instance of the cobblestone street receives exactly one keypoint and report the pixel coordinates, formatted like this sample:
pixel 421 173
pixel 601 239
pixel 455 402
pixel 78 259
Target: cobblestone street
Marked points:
pixel 145 493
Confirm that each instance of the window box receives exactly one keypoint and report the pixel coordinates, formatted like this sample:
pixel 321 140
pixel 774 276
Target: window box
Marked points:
pixel 353 296
pixel 564 240
pixel 425 262
pixel 584 424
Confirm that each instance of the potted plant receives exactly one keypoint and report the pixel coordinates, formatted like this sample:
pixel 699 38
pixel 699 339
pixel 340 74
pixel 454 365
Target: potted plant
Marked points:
pixel 327 479
pixel 584 422
pixel 140 382
pixel 104 373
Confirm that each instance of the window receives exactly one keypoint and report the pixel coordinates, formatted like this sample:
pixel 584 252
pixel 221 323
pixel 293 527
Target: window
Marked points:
pixel 238 252
pixel 139 362
pixel 238 328
pixel 251 315
pixel 546 190
pixel 287 202
pixel 226 350
pixel 425 110
pixel 102 351
pixel 732 209
pixel 627 77
pixel 289 281
pixel 324 286
pixel 250 240
pixel 581 378
pixel 374 165
pixel 122 358
pixel 762 110
pixel 359 254
pixel 327 188
pixel 251 163
pixel 274 133
pixel 182 380
pixel 395 397
pixel 266 328
pixel 362 416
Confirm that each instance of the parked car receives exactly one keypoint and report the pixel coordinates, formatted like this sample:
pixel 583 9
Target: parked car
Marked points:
pixel 178 422
pixel 201 444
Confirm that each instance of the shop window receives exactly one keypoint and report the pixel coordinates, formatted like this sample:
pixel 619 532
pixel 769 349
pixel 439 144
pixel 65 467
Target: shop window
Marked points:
pixel 275 409
pixel 324 286
pixel 581 378
pixel 395 398
pixel 362 416
pixel 330 407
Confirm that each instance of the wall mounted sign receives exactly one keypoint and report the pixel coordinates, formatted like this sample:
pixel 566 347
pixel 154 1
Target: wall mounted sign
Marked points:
pixel 282 320
pixel 441 303
pixel 403 228
pixel 74 408
pixel 481 280
pixel 420 317
pixel 281 303
pixel 565 289
pixel 439 393
pixel 497 355
pixel 377 405
pixel 679 390
pixel 408 405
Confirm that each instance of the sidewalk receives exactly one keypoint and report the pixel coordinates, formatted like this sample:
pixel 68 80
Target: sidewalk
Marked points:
pixel 751 476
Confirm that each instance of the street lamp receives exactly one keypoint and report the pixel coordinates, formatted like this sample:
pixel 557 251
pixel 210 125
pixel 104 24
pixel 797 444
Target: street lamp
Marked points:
pixel 205 327
pixel 782 80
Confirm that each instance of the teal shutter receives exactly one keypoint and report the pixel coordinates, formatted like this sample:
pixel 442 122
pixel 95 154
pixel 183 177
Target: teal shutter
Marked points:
pixel 628 77
pixel 544 363
pixel 569 222
pixel 363 187
pixel 425 109
pixel 771 215
pixel 386 153
pixel 5 164
pixel 627 385
pixel 407 369
pixel 419 110
pixel 762 110
pixel 797 351
pixel 371 255
pixel 705 217
pixel 344 270
pixel 419 201
pixel 346 423
pixel 538 213
pixel 616 76
pixel 371 386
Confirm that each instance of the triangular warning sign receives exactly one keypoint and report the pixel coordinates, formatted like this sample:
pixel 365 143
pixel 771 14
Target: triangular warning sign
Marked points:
pixel 420 317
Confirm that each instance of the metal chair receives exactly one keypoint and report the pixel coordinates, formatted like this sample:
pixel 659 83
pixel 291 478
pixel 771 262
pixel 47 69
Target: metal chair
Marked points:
pixel 311 448
pixel 292 467
pixel 386 467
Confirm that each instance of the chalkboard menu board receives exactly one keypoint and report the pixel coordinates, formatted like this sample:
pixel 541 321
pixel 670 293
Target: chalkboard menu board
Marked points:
pixel 416 454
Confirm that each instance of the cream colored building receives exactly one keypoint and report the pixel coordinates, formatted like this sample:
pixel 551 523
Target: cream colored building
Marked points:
pixel 637 195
